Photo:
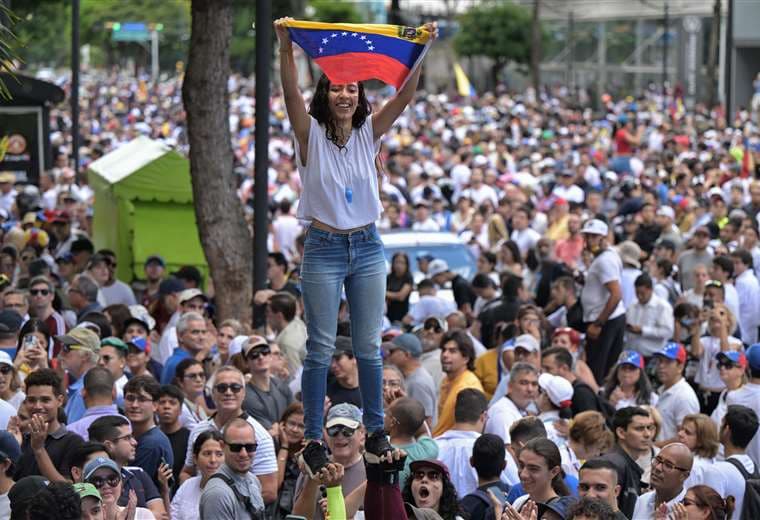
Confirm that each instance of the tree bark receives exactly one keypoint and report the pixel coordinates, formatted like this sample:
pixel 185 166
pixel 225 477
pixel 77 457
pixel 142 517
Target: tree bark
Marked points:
pixel 535 47
pixel 712 56
pixel 223 233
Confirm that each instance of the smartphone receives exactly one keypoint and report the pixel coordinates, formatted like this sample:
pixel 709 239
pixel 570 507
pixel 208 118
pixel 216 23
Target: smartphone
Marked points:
pixel 29 341
pixel 707 303
pixel 499 494
pixel 171 478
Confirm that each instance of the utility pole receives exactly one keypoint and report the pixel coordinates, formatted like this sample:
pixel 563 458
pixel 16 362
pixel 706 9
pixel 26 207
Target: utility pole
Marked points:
pixel 261 180
pixel 571 52
pixel 729 63
pixel 154 55
pixel 75 84
pixel 535 48
pixel 712 55
pixel 665 48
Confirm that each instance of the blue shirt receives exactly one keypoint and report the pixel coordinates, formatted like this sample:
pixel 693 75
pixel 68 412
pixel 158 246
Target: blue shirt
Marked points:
pixel 167 376
pixel 75 406
pixel 152 446
pixel 517 490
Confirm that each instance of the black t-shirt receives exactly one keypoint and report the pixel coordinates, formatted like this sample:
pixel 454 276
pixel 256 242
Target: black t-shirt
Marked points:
pixel 398 309
pixel 584 398
pixel 495 312
pixel 475 504
pixel 135 479
pixel 178 440
pixel 59 446
pixel 340 394
pixel 462 290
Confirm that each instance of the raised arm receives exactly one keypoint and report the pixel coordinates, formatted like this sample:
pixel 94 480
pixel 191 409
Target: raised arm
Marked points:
pixel 297 114
pixel 386 116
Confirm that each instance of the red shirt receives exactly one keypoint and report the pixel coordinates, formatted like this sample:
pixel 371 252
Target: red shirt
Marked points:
pixel 569 250
pixel 622 146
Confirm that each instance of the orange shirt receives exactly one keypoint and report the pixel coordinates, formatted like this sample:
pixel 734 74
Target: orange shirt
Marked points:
pixel 447 399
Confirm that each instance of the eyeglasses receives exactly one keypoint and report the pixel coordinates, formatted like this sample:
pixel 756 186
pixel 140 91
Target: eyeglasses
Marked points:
pixel 666 464
pixel 340 429
pixel 430 474
pixel 295 425
pixel 256 354
pixel 68 348
pixel 38 292
pixel 249 447
pixel 132 398
pixel 196 375
pixel 99 482
pixel 223 387
pixel 127 437
pixel 6 369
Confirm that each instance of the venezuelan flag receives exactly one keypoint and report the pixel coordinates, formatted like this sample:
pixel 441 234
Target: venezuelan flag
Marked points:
pixel 357 52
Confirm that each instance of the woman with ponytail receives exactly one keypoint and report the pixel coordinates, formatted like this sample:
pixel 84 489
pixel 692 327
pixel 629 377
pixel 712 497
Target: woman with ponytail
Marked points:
pixel 701 503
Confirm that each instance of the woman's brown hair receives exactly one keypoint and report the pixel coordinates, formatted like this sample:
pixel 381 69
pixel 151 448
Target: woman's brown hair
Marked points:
pixel 590 429
pixel 708 498
pixel 707 435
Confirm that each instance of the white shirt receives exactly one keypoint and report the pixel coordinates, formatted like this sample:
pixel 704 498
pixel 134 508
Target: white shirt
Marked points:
pixel 573 193
pixel 426 225
pixel 732 299
pixel 286 229
pixel 605 268
pixel 7 411
pixel 525 239
pixel 726 480
pixel 700 467
pixel 479 195
pixel 329 172
pixel 644 509
pixel 168 341
pixel 455 450
pixel 501 415
pixel 748 290
pixel 187 500
pixel 676 402
pixel 627 280
pixel 265 460
pixel 749 396
pixel 656 321
pixel 708 376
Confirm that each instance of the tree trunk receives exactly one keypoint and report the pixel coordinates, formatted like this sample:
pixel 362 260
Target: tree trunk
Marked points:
pixel 223 233
pixel 712 55
pixel 535 47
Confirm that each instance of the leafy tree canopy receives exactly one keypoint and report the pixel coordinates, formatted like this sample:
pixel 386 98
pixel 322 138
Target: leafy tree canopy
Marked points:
pixel 500 31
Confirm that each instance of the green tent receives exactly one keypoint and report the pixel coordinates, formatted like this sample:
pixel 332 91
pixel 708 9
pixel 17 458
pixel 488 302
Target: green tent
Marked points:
pixel 144 206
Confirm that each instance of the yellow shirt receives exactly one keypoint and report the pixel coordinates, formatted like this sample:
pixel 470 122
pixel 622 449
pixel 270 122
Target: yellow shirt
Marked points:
pixel 486 369
pixel 448 398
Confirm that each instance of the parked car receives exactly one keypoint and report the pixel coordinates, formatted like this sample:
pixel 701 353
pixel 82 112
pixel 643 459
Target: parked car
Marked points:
pixel 445 246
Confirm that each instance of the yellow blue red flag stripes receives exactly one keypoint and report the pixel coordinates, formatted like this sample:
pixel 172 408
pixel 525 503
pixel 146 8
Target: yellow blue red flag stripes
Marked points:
pixel 357 52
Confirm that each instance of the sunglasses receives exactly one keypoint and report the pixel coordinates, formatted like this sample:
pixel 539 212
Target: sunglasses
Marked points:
pixel 37 292
pixel 223 387
pixel 431 474
pixel 249 447
pixel 434 327
pixel 5 369
pixel 256 354
pixel 334 431
pixel 100 482
pixel 726 365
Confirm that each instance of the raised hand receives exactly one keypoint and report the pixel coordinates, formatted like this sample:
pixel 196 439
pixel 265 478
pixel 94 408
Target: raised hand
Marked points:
pixel 282 33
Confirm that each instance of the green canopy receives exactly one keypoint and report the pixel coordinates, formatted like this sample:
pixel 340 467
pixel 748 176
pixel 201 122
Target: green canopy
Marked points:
pixel 144 206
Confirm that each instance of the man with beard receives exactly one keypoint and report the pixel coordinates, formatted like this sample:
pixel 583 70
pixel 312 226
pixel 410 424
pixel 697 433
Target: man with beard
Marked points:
pixel 457 362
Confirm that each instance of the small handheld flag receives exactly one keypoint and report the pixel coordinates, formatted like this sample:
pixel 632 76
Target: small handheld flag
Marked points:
pixel 357 52
pixel 464 87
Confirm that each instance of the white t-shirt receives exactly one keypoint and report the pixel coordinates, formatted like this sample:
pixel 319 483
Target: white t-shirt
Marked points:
pixel 726 480
pixel 186 502
pixel 605 268
pixel 645 504
pixel 749 396
pixel 501 416
pixel 708 375
pixel 330 172
pixel 7 411
pixel 525 239
pixel 676 402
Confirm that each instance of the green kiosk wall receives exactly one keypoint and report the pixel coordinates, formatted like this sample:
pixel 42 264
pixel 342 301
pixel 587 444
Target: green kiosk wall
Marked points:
pixel 144 206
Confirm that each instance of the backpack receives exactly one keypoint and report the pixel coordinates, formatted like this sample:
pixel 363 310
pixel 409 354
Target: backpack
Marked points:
pixel 751 506
pixel 246 501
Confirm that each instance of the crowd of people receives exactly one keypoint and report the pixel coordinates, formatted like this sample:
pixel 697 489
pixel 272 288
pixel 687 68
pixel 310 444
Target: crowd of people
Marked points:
pixel 602 363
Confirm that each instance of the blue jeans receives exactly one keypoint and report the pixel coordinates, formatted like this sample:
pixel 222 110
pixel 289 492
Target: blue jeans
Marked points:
pixel 331 260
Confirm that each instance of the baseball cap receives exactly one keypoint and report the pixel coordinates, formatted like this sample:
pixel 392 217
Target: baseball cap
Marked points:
pixel 65 258
pixel 716 192
pixel 560 507
pixel 437 267
pixel 408 343
pixel 345 414
pixel 666 244
pixel 254 342
pixel 734 356
pixel 675 351
pixel 189 294
pixel 155 259
pixel 115 343
pixel 9 448
pixel 139 343
pixel 171 286
pixel 5 358
pixel 421 513
pixel 753 356
pixel 527 342
pixel 595 227
pixel 631 357
pixel 189 272
pixel 140 315
pixel 430 463
pixel 81 336
pixel 7 177
pixel 96 464
pixel 10 321
pixel 236 345
pixel 25 490
pixel 96 259
pixel 558 389
pixel 427 257
pixel 343 345
pixel 85 489
pixel 666 211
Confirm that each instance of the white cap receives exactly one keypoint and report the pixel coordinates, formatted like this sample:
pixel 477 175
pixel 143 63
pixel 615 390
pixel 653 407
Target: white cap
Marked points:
pixel 437 267
pixel 5 358
pixel 236 345
pixel 716 192
pixel 558 389
pixel 667 211
pixel 189 294
pixel 595 227
pixel 527 342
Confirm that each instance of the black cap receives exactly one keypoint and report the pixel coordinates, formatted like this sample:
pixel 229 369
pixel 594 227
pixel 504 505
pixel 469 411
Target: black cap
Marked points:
pixel 10 321
pixel 155 259
pixel 25 490
pixel 189 272
pixel 171 286
pixel 343 345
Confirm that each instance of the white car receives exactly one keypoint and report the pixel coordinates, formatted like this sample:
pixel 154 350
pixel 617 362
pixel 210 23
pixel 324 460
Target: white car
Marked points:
pixel 445 246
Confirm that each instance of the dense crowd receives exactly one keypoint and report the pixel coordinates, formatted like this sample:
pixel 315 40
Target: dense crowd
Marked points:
pixel 600 364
